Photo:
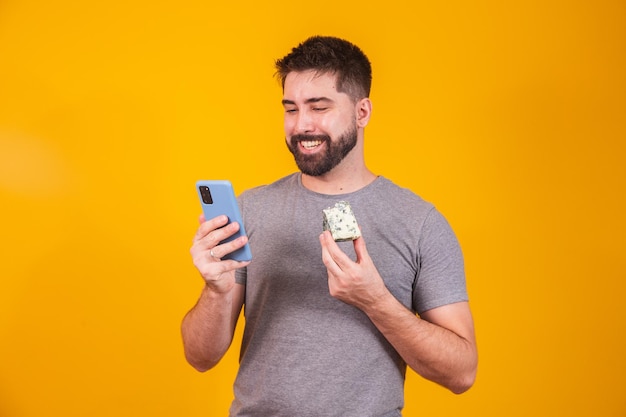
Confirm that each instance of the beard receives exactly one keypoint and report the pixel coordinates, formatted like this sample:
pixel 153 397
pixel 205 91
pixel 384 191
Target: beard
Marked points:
pixel 323 162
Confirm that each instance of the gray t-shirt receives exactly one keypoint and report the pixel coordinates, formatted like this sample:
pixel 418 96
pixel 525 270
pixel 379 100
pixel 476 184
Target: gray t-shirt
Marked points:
pixel 305 353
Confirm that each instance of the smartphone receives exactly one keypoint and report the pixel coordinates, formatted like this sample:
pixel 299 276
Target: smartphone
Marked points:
pixel 218 197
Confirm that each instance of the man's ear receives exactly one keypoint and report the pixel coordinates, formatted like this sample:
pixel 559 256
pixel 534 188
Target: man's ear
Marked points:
pixel 363 112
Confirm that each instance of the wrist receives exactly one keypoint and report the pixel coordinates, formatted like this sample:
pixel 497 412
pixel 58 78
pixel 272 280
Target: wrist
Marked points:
pixel 215 291
pixel 378 303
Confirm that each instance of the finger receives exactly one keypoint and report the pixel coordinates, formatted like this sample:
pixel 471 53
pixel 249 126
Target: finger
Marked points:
pixel 327 242
pixel 361 250
pixel 220 251
pixel 326 257
pixel 209 226
pixel 208 238
pixel 331 253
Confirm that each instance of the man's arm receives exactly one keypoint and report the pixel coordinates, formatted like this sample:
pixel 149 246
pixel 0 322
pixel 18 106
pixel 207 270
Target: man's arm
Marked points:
pixel 440 345
pixel 208 328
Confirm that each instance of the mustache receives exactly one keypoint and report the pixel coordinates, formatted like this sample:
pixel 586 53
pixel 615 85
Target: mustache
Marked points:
pixel 301 137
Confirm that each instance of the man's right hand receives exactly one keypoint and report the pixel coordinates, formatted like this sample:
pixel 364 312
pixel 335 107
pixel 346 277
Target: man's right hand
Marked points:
pixel 206 252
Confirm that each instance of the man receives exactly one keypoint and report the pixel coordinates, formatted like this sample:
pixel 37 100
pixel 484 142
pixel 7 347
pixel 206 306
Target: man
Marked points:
pixel 331 326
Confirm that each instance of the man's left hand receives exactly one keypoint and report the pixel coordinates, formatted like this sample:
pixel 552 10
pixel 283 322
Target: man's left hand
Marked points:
pixel 354 282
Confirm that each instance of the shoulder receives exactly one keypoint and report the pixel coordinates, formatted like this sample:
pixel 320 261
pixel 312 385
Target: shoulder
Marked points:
pixel 405 210
pixel 399 199
pixel 385 185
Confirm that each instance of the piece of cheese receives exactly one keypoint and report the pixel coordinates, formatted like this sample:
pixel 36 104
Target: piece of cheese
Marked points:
pixel 341 222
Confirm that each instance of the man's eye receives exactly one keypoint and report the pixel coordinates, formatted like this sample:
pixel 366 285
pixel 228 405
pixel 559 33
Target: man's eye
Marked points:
pixel 290 110
pixel 319 108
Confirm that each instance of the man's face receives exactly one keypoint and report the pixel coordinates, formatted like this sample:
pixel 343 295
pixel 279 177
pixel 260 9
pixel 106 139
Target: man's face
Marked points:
pixel 320 124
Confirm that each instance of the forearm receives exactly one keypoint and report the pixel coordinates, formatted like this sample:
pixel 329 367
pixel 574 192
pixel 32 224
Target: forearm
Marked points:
pixel 208 328
pixel 433 351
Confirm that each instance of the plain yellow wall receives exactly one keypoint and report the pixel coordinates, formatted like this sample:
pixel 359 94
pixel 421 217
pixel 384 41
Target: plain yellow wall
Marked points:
pixel 509 116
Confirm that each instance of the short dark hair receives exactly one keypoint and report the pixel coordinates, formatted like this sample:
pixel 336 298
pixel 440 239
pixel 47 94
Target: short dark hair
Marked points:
pixel 330 55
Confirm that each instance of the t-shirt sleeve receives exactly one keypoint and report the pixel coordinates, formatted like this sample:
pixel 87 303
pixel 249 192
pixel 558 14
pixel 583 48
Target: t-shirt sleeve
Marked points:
pixel 241 274
pixel 441 278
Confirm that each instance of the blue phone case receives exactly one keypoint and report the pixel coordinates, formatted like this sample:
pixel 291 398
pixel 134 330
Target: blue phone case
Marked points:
pixel 218 197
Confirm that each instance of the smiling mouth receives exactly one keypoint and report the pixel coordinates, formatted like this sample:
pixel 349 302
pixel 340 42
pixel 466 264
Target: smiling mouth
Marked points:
pixel 311 144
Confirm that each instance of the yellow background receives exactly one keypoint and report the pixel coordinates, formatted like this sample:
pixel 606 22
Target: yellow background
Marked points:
pixel 509 116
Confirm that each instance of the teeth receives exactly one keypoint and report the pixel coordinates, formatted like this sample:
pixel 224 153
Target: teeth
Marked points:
pixel 310 144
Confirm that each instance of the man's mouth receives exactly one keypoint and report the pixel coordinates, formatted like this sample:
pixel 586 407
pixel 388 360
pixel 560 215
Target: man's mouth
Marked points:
pixel 310 144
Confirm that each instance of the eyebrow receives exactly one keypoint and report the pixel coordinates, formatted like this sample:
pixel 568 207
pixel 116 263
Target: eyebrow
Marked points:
pixel 308 101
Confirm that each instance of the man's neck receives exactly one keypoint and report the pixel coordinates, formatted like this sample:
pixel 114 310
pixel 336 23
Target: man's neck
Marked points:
pixel 337 182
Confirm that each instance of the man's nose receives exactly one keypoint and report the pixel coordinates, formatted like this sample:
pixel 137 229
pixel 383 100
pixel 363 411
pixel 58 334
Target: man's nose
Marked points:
pixel 304 123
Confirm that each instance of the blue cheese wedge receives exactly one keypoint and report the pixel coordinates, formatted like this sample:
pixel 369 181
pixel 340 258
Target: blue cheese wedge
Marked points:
pixel 341 222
